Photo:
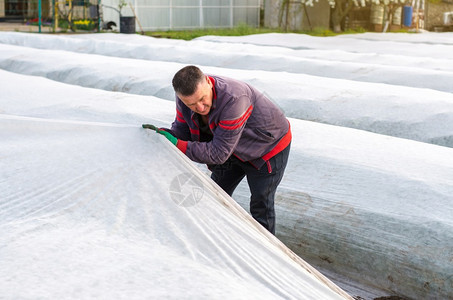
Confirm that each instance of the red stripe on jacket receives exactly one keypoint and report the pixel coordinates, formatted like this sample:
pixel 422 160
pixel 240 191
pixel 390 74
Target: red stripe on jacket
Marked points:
pixel 282 144
pixel 236 123
pixel 214 95
pixel 180 117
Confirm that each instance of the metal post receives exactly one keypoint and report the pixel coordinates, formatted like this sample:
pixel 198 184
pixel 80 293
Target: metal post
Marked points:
pixel 170 11
pixel 55 15
pixel 39 15
pixel 231 14
pixel 70 14
pixel 99 16
pixel 200 3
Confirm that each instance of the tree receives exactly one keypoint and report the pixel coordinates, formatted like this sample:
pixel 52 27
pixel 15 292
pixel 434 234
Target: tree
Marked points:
pixel 340 8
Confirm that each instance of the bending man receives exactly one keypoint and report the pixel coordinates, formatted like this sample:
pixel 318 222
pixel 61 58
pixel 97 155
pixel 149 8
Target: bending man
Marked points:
pixel 234 129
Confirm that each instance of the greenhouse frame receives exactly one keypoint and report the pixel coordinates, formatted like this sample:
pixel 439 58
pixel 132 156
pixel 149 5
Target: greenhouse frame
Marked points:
pixel 148 14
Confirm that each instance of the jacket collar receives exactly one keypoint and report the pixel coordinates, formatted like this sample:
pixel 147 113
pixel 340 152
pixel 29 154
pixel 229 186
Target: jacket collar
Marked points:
pixel 214 94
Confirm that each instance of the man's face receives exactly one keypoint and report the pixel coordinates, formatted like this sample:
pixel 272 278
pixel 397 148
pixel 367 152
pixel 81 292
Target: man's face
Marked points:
pixel 200 101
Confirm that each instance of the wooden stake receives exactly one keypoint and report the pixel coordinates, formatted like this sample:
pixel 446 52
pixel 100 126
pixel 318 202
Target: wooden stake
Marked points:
pixel 138 21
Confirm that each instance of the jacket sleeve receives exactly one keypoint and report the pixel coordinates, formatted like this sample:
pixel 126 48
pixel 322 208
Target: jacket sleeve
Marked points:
pixel 227 133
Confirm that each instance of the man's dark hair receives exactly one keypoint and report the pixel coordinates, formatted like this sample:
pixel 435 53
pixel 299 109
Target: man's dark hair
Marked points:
pixel 186 80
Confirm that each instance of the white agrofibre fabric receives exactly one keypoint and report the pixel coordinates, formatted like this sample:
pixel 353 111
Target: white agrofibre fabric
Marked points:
pixel 108 211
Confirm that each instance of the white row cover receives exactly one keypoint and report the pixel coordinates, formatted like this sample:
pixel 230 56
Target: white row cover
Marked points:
pixel 92 210
pixel 364 207
pixel 403 96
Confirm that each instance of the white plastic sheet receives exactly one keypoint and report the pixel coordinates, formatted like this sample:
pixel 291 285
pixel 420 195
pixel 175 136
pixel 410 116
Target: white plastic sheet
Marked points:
pixel 403 96
pixel 374 208
pixel 98 210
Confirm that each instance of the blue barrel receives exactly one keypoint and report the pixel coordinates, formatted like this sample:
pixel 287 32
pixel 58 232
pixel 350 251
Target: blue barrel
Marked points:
pixel 407 16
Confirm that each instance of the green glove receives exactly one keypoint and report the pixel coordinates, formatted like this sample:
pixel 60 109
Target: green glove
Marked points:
pixel 169 136
pixel 149 126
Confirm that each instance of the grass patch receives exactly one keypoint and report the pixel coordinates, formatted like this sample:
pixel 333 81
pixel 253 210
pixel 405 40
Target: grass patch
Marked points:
pixel 239 30
pixel 191 34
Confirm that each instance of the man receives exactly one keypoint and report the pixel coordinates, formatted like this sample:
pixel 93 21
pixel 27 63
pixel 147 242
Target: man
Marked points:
pixel 236 131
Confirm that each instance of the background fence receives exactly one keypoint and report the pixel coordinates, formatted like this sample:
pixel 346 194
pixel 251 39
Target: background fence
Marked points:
pixel 185 14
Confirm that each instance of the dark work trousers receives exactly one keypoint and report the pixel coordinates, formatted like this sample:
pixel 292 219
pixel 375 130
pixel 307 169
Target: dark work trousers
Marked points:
pixel 262 182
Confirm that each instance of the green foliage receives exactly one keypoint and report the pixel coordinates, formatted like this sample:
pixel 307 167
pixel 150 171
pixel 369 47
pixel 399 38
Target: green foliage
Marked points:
pixel 84 24
pixel 63 24
pixel 357 30
pixel 121 5
pixel 328 32
pixel 320 32
pixel 241 29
